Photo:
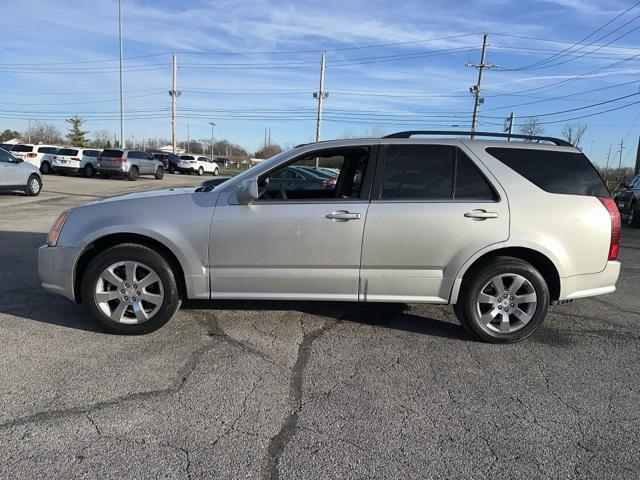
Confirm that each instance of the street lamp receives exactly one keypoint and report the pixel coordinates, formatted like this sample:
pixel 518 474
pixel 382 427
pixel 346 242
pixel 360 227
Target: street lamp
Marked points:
pixel 213 124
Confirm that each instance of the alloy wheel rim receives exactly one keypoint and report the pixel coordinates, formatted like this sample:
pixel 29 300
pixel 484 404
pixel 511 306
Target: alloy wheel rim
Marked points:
pixel 506 303
pixel 34 185
pixel 129 292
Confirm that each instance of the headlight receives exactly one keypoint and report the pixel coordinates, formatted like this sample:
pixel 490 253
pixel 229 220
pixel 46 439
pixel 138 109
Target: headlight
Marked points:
pixel 54 233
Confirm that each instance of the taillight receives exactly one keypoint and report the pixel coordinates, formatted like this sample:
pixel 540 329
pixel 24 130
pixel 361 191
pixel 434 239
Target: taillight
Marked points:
pixel 120 160
pixel 75 158
pixel 32 155
pixel 614 246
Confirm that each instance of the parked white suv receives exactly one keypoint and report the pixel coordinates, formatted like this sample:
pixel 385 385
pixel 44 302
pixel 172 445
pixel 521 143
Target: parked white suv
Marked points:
pixel 16 174
pixel 76 160
pixel 41 156
pixel 197 164
pixel 501 230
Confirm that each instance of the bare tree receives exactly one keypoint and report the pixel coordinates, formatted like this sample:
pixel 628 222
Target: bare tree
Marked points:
pixel 268 151
pixel 531 127
pixel 42 132
pixel 101 139
pixel 573 133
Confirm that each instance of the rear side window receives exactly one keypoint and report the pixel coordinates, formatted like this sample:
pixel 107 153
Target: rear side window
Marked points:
pixel 111 153
pixel 186 157
pixel 47 149
pixel 432 172
pixel 71 152
pixel 567 173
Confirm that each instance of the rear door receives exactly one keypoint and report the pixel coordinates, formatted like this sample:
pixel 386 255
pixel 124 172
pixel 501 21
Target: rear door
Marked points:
pixel 432 208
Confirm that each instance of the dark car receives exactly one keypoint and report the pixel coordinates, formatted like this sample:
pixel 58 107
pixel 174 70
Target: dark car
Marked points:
pixel 627 199
pixel 297 179
pixel 169 160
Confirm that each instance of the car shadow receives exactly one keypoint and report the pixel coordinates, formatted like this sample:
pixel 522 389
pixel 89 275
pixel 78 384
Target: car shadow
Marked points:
pixel 385 315
pixel 21 295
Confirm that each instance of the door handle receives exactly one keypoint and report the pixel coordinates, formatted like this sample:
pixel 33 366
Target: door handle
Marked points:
pixel 343 216
pixel 481 214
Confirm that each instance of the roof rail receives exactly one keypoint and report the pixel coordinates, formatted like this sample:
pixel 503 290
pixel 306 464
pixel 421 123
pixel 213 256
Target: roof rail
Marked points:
pixel 410 133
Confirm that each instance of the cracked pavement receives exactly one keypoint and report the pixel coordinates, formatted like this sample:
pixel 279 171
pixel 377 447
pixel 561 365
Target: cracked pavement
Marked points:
pixel 305 390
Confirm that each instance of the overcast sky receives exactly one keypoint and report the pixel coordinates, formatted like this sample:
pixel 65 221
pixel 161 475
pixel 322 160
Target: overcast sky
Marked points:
pixel 391 66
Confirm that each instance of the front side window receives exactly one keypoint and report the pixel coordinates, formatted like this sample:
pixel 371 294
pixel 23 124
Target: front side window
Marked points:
pixel 307 178
pixel 5 157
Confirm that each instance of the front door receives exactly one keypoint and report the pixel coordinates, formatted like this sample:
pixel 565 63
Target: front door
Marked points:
pixel 432 209
pixel 295 242
pixel 11 173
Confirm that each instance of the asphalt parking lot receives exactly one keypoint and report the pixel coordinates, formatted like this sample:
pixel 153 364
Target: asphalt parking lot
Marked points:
pixel 305 390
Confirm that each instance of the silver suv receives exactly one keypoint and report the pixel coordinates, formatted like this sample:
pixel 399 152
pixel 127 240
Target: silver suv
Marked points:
pixel 498 230
pixel 128 163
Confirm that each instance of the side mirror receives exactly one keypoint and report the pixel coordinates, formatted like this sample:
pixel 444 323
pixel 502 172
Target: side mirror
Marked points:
pixel 17 160
pixel 248 191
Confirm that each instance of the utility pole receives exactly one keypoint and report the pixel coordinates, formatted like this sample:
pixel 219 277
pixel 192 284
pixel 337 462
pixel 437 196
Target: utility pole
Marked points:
pixel 29 134
pixel 269 136
pixel 188 140
pixel 174 93
pixel 606 168
pixel 637 169
pixel 320 95
pixel 265 137
pixel 121 89
pixel 620 161
pixel 213 124
pixel 477 88
pixel 508 125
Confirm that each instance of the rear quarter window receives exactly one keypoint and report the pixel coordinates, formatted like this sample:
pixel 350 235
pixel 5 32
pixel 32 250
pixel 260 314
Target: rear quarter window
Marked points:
pixel 90 153
pixel 47 149
pixel 568 173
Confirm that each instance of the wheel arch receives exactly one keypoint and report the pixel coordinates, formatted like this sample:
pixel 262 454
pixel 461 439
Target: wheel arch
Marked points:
pixel 101 244
pixel 540 261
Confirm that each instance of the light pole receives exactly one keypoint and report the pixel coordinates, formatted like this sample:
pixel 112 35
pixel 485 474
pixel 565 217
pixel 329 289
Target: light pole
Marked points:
pixel 121 92
pixel 213 124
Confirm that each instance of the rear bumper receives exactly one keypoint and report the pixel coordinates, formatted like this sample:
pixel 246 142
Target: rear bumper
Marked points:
pixel 55 268
pixel 124 168
pixel 60 168
pixel 590 285
pixel 185 169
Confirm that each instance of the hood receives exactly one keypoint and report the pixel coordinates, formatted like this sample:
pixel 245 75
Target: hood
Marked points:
pixel 150 194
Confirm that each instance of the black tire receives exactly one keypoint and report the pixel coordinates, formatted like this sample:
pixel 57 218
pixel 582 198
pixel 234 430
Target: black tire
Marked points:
pixel 159 175
pixel 633 218
pixel 33 186
pixel 172 169
pixel 216 172
pixel 133 174
pixel 468 311
pixel 137 253
pixel 88 170
pixel 200 171
pixel 45 168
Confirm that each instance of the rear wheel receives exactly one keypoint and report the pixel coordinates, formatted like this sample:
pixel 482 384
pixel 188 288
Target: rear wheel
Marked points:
pixel 172 168
pixel 88 170
pixel 34 186
pixel 132 175
pixel 45 168
pixel 504 301
pixel 130 288
pixel 159 175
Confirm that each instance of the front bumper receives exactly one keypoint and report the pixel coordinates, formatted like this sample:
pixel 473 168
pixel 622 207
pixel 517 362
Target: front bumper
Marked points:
pixel 56 268
pixel 590 285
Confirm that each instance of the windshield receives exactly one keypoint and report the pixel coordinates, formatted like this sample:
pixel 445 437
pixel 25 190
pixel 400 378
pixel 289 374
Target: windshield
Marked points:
pixel 259 166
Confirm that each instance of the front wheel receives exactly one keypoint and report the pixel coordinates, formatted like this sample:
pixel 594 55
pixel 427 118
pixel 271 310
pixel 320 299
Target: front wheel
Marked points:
pixel 200 171
pixel 130 288
pixel 216 172
pixel 159 175
pixel 504 301
pixel 45 168
pixel 88 170
pixel 34 186
pixel 172 169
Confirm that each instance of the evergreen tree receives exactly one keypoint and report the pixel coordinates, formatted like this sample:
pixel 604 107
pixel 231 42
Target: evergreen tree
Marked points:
pixel 76 135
